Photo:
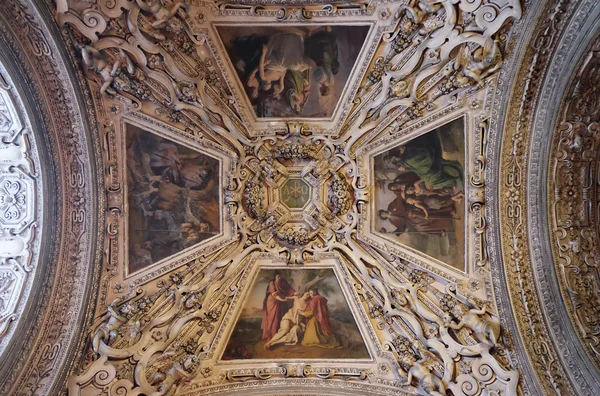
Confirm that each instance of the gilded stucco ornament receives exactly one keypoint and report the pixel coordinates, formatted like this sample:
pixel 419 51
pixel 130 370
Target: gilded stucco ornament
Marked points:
pixel 163 66
pixel 573 196
pixel 527 208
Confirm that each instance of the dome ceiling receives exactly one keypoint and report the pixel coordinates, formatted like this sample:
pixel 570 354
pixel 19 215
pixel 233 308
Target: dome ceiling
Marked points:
pixel 294 193
pixel 305 199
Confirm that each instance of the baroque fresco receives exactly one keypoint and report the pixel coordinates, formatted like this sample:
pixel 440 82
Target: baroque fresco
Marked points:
pixel 173 196
pixel 419 194
pixel 293 71
pixel 303 106
pixel 296 314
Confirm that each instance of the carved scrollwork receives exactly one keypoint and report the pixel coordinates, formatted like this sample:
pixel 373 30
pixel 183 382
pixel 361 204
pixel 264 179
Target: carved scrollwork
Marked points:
pixel 574 200
pixel 295 194
pixel 427 62
pixel 20 213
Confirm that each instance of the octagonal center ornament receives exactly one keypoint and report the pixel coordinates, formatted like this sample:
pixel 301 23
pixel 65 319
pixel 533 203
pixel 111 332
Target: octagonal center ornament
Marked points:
pixel 295 193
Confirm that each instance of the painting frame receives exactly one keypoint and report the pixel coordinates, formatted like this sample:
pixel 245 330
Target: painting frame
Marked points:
pixel 451 210
pixel 475 107
pixel 419 257
pixel 273 37
pixel 248 276
pixel 330 125
pixel 120 245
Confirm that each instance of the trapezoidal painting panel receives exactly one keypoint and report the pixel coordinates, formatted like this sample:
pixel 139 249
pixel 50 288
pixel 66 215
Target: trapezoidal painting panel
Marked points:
pixel 296 314
pixel 293 71
pixel 172 196
pixel 420 193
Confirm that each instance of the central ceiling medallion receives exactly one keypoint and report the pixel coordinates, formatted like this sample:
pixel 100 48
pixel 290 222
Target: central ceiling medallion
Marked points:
pixel 295 193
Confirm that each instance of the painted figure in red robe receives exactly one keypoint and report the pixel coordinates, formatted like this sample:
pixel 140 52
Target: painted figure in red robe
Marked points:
pixel 275 305
pixel 318 304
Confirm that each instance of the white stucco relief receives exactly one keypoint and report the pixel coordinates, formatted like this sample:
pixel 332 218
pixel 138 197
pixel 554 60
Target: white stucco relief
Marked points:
pixel 20 215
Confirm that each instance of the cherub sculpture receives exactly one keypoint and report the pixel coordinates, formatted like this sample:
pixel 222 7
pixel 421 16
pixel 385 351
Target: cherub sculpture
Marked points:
pixel 178 374
pixel 96 62
pixel 431 384
pixel 486 328
pixel 110 329
pixel 161 13
pixel 481 62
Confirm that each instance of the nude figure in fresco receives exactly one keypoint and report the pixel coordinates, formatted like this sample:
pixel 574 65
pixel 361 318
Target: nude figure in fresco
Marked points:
pixel 291 328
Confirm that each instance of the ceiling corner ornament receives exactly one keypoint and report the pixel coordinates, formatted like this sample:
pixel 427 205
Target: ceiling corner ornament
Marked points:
pixel 573 201
pixel 295 121
pixel 20 209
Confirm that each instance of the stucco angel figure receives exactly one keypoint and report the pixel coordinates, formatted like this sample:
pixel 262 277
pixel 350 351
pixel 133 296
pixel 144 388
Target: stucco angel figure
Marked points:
pixel 178 374
pixel 417 9
pixel 428 358
pixel 96 62
pixel 431 384
pixel 486 328
pixel 161 13
pixel 481 62
pixel 114 319
pixel 112 74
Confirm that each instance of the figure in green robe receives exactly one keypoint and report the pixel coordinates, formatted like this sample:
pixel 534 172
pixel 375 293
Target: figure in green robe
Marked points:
pixel 423 156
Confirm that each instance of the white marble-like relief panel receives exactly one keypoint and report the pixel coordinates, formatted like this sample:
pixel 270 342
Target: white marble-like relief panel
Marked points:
pixel 20 207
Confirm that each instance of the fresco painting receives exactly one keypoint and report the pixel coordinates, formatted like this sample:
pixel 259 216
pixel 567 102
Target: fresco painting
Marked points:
pixel 172 195
pixel 420 193
pixel 296 314
pixel 293 71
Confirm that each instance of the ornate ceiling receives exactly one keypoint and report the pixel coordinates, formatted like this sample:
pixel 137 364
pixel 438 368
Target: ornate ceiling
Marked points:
pixel 387 197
